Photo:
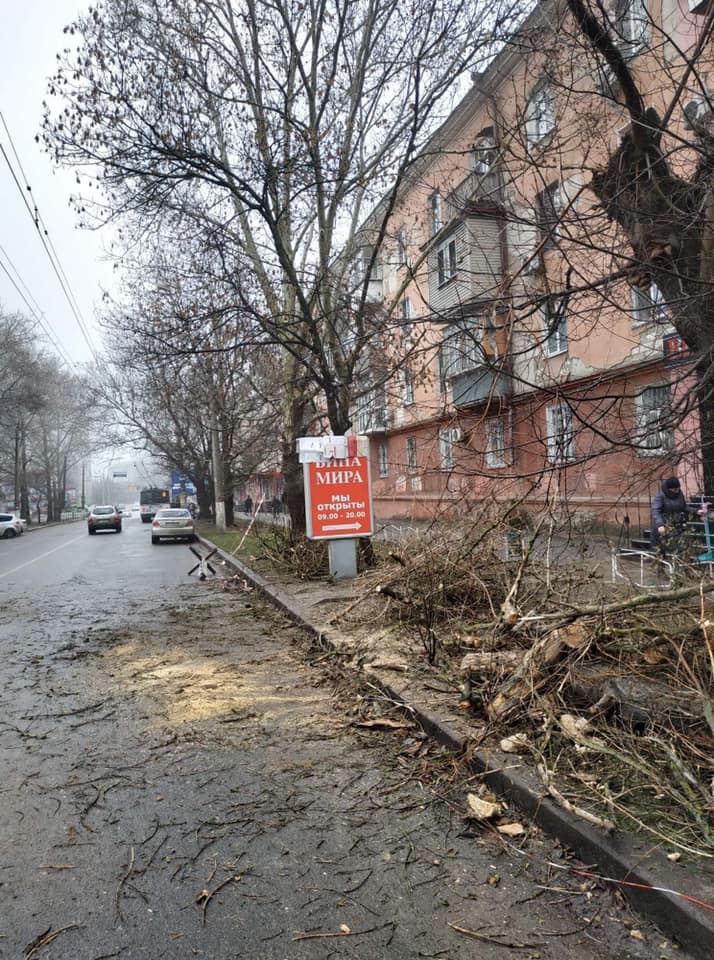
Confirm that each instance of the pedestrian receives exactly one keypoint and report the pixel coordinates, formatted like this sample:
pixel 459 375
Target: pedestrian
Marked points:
pixel 669 516
pixel 248 505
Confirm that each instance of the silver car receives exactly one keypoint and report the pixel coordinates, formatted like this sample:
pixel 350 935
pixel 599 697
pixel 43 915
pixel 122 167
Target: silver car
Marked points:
pixel 11 525
pixel 172 523
pixel 103 517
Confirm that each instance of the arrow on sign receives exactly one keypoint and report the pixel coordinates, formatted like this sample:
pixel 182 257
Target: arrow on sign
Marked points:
pixel 344 526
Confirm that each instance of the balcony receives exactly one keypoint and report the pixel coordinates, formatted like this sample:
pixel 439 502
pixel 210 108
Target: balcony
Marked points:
pixel 477 190
pixel 480 385
pixel 374 421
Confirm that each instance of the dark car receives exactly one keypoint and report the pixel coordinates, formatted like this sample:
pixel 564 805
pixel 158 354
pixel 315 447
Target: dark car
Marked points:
pixel 103 518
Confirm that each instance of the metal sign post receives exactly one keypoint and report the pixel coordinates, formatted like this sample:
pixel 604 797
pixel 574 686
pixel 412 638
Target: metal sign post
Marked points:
pixel 338 496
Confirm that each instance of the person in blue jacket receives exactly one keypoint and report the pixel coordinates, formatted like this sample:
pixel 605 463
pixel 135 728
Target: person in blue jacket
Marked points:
pixel 669 515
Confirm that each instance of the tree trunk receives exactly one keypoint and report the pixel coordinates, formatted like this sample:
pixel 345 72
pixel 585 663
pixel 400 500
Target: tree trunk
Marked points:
pixel 705 391
pixel 294 490
pixel 219 504
pixel 24 491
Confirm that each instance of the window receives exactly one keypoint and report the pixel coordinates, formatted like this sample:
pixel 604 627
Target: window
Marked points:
pixel 483 156
pixel 460 351
pixel 446 262
pixel 405 316
pixel 402 247
pixel 648 305
pixel 495 442
pixel 631 26
pixel 447 439
pixel 653 422
pixel 411 455
pixel 382 462
pixel 540 116
pixel 435 221
pixel 559 430
pixel 548 213
pixel 358 270
pixel 408 379
pixel 555 326
pixel 372 413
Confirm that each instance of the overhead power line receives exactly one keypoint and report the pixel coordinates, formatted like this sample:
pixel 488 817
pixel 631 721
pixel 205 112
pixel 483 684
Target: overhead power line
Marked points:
pixel 35 310
pixel 45 238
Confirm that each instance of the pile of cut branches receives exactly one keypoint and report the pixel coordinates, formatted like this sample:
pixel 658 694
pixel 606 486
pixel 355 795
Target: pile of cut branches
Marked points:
pixel 612 692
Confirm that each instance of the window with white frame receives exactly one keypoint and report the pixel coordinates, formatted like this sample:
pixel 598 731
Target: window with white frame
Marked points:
pixel 483 156
pixel 402 247
pixel 411 455
pixel 435 219
pixel 446 262
pixel 447 439
pixel 460 350
pixel 653 420
pixel 408 382
pixel 648 304
pixel 372 412
pixel 631 21
pixel 555 325
pixel 405 316
pixel 382 461
pixel 495 442
pixel 559 433
pixel 548 213
pixel 540 113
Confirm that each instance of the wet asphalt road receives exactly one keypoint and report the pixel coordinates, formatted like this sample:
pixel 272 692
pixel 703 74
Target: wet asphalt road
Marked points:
pixel 181 778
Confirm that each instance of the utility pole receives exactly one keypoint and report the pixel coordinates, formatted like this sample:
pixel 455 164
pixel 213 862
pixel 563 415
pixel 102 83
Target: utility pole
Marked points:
pixel 219 494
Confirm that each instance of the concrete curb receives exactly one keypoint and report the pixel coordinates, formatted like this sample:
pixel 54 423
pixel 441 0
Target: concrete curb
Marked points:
pixel 621 857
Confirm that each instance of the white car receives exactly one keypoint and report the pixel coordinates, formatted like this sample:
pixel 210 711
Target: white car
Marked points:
pixel 11 525
pixel 172 523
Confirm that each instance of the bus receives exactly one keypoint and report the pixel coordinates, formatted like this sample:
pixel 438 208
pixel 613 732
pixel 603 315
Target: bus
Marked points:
pixel 152 499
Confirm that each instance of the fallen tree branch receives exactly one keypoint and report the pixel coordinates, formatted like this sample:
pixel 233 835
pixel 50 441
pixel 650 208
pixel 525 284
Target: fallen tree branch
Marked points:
pixel 641 600
pixel 571 807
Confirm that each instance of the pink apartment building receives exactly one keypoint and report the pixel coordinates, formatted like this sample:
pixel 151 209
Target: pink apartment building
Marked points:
pixel 539 358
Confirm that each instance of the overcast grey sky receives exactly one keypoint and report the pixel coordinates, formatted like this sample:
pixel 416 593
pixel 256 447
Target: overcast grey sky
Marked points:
pixel 30 37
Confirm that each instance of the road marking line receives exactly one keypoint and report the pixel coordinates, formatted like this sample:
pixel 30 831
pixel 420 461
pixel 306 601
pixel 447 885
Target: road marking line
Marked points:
pixel 41 557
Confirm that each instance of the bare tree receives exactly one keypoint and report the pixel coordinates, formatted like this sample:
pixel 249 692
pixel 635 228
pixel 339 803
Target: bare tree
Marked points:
pixel 279 125
pixel 656 186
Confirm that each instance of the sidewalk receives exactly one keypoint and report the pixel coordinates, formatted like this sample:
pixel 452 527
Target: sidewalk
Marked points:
pixel 678 900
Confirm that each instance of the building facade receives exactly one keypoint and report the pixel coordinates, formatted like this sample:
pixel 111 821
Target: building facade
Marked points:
pixel 532 356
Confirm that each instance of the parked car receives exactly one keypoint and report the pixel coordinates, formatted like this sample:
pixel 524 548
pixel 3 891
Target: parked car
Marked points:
pixel 103 517
pixel 11 525
pixel 174 523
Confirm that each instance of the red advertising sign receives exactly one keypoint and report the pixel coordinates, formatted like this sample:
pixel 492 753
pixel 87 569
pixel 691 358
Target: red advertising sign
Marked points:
pixel 338 499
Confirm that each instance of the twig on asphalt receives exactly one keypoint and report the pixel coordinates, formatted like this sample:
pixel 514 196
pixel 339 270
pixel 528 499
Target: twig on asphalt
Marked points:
pixel 68 713
pixel 205 896
pixel 494 940
pixel 121 886
pixel 46 938
pixel 346 932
